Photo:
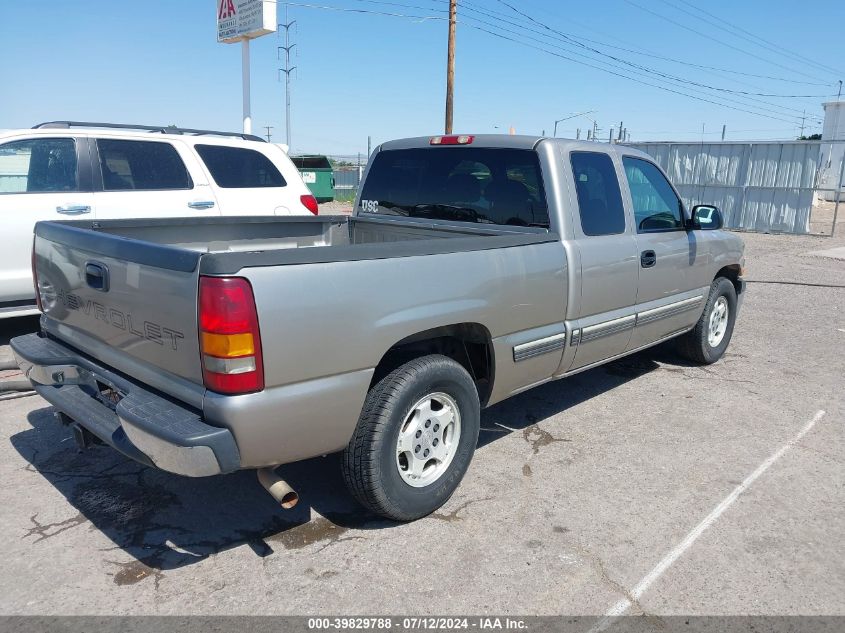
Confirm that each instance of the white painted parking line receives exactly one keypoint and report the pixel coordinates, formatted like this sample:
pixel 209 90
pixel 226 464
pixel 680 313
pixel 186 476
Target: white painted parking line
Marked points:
pixel 641 587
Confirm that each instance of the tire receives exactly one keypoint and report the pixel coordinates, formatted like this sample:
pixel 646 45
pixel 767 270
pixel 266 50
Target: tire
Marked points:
pixel 698 345
pixel 404 400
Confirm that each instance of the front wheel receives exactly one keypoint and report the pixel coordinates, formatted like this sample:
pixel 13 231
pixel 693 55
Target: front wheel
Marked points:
pixel 710 337
pixel 414 440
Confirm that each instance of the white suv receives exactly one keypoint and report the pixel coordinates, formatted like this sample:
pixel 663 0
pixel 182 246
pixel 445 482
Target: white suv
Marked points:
pixel 64 169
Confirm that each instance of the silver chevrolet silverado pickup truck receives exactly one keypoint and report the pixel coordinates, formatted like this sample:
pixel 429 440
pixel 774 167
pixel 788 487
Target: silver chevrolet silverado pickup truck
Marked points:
pixel 473 268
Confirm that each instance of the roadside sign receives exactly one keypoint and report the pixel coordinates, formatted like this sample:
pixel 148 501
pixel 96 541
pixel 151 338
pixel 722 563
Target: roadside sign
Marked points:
pixel 244 19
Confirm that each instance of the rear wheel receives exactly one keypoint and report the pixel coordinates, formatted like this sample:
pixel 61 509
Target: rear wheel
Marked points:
pixel 708 340
pixel 414 440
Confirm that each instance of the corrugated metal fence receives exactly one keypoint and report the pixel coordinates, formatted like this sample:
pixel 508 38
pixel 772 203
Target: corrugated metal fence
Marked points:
pixel 764 186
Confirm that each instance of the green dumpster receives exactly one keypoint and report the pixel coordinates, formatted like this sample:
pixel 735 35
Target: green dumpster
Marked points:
pixel 317 173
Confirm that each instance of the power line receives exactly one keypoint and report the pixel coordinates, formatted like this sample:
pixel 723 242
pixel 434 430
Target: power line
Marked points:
pixel 769 45
pixel 646 53
pixel 646 72
pixel 657 72
pixel 618 74
pixel 758 112
pixel 713 39
pixel 369 11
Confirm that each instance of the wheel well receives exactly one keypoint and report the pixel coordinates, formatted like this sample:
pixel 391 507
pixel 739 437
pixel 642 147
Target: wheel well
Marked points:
pixel 732 273
pixel 469 344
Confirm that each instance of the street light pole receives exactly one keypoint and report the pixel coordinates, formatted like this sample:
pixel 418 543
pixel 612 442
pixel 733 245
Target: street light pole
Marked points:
pixel 566 118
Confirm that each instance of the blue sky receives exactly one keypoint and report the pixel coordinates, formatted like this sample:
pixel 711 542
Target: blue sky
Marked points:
pixel 358 74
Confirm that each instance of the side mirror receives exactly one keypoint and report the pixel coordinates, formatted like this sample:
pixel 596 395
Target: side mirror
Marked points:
pixel 706 217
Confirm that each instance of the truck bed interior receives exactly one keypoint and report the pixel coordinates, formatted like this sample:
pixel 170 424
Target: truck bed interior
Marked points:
pixel 225 245
pixel 221 235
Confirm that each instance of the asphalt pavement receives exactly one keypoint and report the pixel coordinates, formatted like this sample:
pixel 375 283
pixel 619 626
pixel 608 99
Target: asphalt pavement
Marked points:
pixel 646 486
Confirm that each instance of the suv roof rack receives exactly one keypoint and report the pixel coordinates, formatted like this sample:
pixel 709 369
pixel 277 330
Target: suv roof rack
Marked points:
pixel 162 129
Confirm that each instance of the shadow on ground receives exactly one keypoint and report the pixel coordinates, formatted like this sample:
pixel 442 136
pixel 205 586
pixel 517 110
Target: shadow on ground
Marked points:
pixel 16 327
pixel 165 521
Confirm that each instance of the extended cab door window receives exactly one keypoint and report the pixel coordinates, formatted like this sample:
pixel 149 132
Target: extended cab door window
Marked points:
pixel 656 205
pixel 39 180
pixel 608 258
pixel 599 199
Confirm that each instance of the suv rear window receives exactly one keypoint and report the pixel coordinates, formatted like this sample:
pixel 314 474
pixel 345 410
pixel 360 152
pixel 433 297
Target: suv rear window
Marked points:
pixel 239 168
pixel 470 184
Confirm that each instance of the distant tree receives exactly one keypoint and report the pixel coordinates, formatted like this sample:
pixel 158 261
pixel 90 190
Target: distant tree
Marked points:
pixel 812 137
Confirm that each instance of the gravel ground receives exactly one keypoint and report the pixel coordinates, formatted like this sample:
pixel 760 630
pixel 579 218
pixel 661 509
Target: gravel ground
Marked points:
pixel 583 495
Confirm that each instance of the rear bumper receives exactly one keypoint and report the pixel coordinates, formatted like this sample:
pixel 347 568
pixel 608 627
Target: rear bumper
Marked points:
pixel 143 425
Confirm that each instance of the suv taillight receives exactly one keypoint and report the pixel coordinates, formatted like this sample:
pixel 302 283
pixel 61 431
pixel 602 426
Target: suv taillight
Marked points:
pixel 35 280
pixel 310 203
pixel 230 342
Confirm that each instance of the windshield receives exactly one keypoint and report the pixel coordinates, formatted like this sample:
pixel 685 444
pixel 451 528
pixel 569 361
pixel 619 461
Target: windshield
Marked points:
pixel 467 184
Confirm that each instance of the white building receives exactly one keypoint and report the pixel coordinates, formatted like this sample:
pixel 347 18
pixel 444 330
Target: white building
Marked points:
pixel 832 154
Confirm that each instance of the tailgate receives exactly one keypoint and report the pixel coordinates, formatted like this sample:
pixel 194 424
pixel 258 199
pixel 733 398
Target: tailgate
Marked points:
pixel 128 303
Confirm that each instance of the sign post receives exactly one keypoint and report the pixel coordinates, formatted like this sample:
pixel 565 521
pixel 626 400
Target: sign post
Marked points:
pixel 241 21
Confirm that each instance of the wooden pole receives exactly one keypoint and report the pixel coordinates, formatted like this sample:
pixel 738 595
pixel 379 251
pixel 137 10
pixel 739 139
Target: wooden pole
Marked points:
pixel 450 64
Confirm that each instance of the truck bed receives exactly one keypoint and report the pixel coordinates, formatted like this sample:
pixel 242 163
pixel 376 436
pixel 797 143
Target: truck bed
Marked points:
pixel 225 245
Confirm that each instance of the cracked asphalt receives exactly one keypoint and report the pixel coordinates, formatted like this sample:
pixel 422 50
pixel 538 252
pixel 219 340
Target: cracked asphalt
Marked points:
pixel 577 490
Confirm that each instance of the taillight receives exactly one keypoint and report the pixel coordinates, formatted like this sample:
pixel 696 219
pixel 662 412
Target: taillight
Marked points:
pixel 463 139
pixel 230 342
pixel 310 203
pixel 35 279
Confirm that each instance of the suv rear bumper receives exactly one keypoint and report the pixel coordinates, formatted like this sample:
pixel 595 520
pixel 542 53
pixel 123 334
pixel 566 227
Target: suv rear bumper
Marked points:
pixel 143 425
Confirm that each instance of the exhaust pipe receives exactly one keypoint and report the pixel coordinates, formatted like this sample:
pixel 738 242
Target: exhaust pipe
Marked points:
pixel 277 487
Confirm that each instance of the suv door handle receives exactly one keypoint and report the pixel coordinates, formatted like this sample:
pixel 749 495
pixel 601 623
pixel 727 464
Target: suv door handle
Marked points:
pixel 74 209
pixel 648 259
pixel 201 204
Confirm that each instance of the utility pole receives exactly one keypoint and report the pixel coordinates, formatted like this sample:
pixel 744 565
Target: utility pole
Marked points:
pixel 839 94
pixel 803 116
pixel 619 137
pixel 268 128
pixel 595 129
pixel 724 128
pixel 287 70
pixel 578 134
pixel 450 64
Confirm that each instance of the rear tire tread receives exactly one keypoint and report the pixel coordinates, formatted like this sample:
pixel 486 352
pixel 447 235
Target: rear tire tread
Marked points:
pixel 361 465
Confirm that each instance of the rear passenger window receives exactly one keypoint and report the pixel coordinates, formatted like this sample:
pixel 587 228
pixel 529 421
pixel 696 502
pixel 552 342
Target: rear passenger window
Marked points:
pixel 599 198
pixel 239 168
pixel 141 166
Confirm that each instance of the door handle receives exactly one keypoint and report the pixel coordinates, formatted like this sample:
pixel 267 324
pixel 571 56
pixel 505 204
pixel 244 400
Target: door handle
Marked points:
pixel 201 204
pixel 648 259
pixel 74 209
pixel 97 276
